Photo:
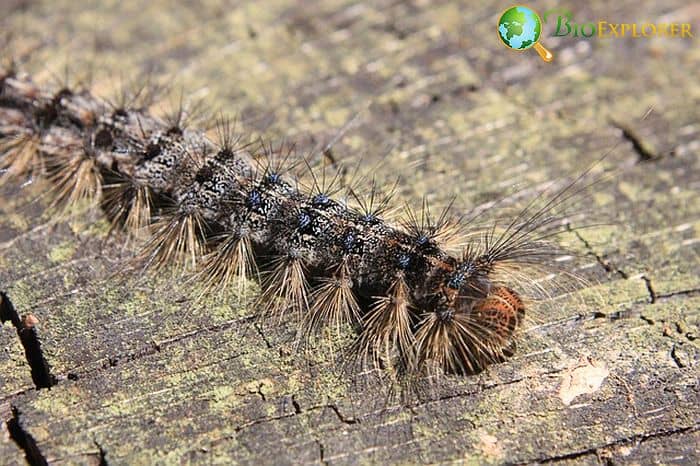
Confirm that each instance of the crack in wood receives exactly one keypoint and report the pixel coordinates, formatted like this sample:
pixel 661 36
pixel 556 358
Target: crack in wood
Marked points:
pixel 475 391
pixel 677 358
pixel 10 396
pixel 24 440
pixel 652 294
pixel 297 407
pixel 40 370
pixel 643 151
pixel 633 439
pixel 673 294
pixel 150 349
pixel 340 416
pixel 297 410
pixel 262 335
pixel 101 453
pixel 607 266
pixel 321 453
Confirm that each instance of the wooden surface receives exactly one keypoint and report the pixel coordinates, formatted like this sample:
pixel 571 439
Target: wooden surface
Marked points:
pixel 128 369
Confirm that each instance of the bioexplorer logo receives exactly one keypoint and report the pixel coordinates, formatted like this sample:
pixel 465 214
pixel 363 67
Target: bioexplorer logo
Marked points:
pixel 566 26
pixel 520 27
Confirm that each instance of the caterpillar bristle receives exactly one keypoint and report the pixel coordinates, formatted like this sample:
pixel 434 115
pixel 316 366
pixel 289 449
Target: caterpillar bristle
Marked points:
pixel 137 94
pixel 526 239
pixel 70 81
pixel 446 342
pixel 273 162
pixel 232 262
pixel 387 335
pixel 178 240
pixel 128 205
pixel 226 137
pixel 459 342
pixel 74 177
pixel 375 203
pixel 322 184
pixel 444 231
pixel 8 62
pixel 19 157
pixel 333 303
pixel 185 114
pixel 284 288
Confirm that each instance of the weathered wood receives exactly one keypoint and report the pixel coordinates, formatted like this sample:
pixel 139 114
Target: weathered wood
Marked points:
pixel 145 374
pixel 9 451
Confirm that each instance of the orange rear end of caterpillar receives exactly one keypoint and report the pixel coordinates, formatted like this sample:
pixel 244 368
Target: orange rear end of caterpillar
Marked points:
pixel 473 323
pixel 502 312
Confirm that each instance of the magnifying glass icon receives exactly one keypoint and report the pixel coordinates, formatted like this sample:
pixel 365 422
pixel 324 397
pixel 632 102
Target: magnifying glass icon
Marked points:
pixel 519 28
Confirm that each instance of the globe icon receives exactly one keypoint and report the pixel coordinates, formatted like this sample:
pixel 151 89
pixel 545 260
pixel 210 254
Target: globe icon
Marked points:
pixel 519 27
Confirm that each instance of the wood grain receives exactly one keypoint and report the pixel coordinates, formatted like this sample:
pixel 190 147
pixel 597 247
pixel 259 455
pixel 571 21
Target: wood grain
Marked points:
pixel 141 373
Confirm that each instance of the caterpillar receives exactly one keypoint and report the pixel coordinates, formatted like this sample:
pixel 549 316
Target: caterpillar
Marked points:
pixel 229 212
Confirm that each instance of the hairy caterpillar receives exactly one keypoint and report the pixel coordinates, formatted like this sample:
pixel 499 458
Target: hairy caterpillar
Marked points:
pixel 231 213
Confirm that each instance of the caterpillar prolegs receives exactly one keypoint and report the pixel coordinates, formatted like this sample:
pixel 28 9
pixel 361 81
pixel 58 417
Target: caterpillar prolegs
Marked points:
pixel 230 213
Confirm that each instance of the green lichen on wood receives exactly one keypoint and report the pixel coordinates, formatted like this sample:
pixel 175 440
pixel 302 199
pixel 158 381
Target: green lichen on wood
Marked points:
pixel 146 373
